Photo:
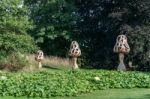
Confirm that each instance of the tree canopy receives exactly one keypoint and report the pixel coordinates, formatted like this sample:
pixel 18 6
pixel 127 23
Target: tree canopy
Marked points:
pixel 54 22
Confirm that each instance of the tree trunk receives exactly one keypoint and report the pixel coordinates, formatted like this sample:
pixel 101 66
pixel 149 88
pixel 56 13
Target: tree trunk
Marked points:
pixel 40 65
pixel 75 65
pixel 121 64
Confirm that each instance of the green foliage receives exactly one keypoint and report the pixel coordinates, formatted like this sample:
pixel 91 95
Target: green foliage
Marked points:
pixel 14 23
pixel 10 43
pixel 140 44
pixel 14 17
pixel 54 23
pixel 68 83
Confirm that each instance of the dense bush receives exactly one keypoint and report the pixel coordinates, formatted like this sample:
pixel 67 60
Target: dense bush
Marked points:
pixel 68 83
pixel 14 24
pixel 10 43
pixel 13 62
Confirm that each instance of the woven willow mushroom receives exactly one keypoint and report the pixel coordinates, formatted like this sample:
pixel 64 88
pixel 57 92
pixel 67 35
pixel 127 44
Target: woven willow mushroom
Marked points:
pixel 122 48
pixel 74 52
pixel 39 57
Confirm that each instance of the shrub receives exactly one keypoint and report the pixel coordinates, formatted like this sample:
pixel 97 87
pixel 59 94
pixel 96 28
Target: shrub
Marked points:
pixel 13 62
pixel 10 43
pixel 14 26
pixel 68 83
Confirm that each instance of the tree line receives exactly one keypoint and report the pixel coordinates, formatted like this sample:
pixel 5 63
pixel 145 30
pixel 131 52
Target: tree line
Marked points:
pixel 50 25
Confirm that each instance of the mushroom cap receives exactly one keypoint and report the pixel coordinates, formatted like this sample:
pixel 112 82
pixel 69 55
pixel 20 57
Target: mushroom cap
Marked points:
pixel 39 56
pixel 121 45
pixel 74 49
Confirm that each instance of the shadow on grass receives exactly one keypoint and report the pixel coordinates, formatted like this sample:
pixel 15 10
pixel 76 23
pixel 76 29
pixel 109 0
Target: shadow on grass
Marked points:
pixel 147 96
pixel 51 67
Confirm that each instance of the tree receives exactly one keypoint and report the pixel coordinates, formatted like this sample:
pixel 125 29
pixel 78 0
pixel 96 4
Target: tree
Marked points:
pixel 14 23
pixel 54 23
pixel 102 20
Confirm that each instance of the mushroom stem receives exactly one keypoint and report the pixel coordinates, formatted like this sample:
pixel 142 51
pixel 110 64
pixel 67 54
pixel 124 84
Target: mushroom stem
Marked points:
pixel 121 64
pixel 40 65
pixel 75 65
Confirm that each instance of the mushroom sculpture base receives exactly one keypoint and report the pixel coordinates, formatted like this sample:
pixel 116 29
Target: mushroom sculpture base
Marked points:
pixel 75 65
pixel 121 66
pixel 40 65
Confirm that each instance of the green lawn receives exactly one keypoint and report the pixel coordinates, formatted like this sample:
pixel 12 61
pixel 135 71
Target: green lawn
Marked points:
pixel 106 94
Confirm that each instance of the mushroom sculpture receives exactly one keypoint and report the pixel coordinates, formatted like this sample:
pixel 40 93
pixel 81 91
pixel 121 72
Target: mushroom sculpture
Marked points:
pixel 122 48
pixel 39 57
pixel 74 52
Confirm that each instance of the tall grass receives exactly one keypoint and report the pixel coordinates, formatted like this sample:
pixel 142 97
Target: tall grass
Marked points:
pixel 50 62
